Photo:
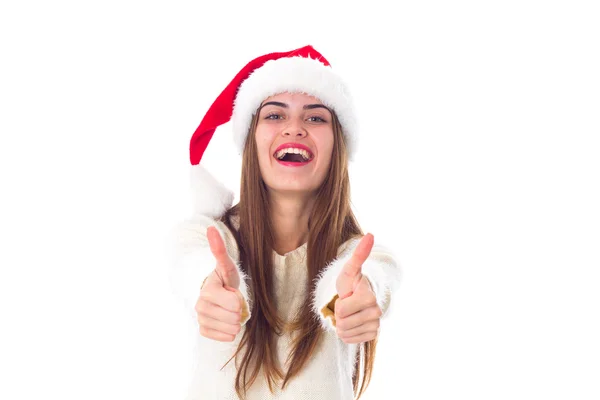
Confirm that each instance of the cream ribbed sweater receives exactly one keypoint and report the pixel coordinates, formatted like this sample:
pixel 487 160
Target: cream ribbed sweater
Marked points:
pixel 328 375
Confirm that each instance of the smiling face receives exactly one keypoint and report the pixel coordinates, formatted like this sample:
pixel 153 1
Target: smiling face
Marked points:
pixel 294 138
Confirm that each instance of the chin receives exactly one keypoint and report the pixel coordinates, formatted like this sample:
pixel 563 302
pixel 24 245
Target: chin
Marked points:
pixel 292 189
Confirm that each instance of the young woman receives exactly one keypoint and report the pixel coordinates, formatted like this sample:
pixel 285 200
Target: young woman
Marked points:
pixel 286 289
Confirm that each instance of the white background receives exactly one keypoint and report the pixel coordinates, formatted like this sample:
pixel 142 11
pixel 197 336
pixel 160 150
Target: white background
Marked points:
pixel 478 164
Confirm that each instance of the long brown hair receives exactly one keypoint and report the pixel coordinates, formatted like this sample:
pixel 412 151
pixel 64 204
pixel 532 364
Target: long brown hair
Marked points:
pixel 330 224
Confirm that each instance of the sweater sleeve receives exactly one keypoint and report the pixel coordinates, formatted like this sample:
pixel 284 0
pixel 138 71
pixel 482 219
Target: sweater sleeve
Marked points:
pixel 192 261
pixel 380 268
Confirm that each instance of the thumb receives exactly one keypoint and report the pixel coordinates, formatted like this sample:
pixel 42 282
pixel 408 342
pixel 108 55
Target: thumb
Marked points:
pixel 237 292
pixel 245 313
pixel 225 268
pixel 351 273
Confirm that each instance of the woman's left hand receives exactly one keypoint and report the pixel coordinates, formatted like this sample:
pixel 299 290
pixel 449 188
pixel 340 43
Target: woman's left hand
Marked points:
pixel 357 313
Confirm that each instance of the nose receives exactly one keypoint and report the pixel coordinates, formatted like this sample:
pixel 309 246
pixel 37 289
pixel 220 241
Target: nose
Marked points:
pixel 294 128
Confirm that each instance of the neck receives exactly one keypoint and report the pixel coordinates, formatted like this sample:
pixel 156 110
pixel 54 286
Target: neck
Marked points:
pixel 289 216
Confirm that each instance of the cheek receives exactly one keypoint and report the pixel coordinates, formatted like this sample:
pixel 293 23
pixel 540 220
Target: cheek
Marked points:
pixel 264 139
pixel 326 146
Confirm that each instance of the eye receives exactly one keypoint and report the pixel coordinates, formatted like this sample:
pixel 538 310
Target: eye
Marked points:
pixel 273 116
pixel 316 119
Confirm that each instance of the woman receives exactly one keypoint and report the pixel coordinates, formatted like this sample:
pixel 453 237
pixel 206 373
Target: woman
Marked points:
pixel 287 291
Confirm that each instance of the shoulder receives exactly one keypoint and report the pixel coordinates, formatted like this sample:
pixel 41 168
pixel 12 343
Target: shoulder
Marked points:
pixel 346 248
pixel 381 267
pixel 190 235
pixel 380 251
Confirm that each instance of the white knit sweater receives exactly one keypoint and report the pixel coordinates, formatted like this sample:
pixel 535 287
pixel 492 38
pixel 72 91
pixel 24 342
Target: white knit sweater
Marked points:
pixel 328 375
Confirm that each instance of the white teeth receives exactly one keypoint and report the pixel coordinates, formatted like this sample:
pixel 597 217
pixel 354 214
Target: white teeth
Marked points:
pixel 283 152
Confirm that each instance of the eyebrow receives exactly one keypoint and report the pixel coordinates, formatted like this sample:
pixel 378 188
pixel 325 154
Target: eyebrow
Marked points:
pixel 306 107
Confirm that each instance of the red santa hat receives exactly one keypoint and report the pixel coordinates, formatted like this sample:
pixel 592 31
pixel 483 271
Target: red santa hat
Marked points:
pixel 303 70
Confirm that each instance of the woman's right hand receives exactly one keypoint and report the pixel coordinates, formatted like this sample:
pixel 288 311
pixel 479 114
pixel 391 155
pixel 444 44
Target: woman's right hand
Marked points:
pixel 219 307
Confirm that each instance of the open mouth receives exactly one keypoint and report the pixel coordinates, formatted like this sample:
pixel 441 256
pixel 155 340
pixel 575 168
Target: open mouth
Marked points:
pixel 291 156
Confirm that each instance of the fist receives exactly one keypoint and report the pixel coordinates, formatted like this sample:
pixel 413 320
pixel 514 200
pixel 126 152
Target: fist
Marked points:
pixel 357 313
pixel 219 307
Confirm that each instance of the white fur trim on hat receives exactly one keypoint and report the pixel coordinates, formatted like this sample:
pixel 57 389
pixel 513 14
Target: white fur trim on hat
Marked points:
pixel 294 75
pixel 210 197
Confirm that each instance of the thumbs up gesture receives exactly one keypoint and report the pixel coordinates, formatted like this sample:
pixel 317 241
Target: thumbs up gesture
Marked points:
pixel 356 311
pixel 219 307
